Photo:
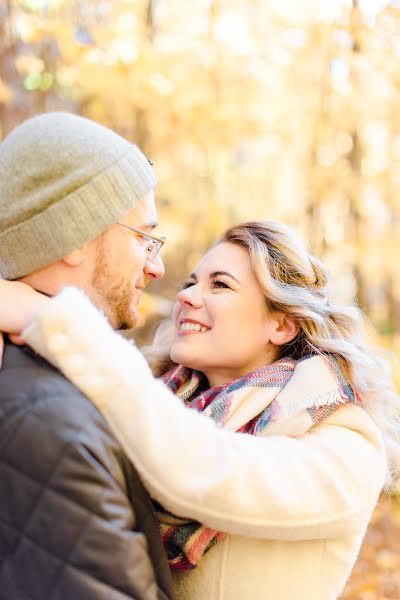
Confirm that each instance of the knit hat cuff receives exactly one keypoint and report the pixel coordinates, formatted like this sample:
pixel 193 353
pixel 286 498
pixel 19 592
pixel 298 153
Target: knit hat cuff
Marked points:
pixel 76 219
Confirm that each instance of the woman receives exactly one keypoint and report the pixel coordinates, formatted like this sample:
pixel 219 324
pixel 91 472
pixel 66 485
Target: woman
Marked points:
pixel 278 511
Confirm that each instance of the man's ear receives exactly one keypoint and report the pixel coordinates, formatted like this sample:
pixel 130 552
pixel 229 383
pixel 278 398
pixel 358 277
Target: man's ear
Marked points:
pixel 283 329
pixel 75 258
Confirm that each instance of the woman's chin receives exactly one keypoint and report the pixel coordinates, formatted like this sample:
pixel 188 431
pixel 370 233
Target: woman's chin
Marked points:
pixel 181 357
pixel 176 354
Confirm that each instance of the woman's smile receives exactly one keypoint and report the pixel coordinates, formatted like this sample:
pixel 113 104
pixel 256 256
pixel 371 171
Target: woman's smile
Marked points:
pixel 187 326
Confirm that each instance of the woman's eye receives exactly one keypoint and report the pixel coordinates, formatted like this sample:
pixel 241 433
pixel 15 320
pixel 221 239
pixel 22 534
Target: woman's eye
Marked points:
pixel 219 284
pixel 187 284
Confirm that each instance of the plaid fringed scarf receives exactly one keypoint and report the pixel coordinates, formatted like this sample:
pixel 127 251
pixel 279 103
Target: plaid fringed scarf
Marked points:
pixel 285 398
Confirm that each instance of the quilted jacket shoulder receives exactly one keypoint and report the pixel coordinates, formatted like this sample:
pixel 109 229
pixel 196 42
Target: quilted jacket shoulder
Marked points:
pixel 75 520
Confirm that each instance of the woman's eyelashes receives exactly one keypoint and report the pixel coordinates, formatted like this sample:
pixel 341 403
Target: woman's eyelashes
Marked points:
pixel 219 283
pixel 215 283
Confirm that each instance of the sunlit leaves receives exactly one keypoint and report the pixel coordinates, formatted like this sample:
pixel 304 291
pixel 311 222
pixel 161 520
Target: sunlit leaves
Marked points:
pixel 263 109
pixel 5 93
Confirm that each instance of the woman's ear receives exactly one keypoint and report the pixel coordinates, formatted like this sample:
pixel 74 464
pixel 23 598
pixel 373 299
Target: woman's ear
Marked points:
pixel 283 329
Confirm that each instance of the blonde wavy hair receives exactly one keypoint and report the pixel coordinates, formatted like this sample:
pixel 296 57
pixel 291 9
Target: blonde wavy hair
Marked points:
pixel 295 282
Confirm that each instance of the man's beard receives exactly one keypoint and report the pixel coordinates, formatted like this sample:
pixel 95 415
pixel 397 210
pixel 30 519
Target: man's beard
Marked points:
pixel 115 294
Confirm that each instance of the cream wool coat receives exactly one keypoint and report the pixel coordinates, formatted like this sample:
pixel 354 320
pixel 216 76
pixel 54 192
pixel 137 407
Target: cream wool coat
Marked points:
pixel 295 509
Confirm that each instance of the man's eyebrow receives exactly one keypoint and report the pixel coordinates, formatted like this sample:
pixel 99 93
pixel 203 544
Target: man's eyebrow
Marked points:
pixel 150 225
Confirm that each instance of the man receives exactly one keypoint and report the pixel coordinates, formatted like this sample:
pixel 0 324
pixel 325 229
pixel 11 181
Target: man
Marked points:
pixel 76 207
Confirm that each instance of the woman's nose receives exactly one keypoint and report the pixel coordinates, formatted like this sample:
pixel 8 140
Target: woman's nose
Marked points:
pixel 190 296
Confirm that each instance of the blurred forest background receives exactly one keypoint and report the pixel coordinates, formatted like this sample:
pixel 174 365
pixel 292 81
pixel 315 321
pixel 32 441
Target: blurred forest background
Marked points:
pixel 249 109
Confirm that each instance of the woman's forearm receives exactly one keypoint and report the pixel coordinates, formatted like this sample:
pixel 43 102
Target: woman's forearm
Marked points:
pixel 274 487
pixel 19 304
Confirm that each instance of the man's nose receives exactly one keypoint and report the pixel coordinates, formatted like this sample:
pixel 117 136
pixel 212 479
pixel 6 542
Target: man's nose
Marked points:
pixel 154 269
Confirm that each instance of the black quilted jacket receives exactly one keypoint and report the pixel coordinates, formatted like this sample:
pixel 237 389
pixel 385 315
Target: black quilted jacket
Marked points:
pixel 75 521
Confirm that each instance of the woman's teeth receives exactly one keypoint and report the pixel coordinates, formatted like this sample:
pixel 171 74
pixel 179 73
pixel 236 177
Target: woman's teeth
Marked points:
pixel 192 327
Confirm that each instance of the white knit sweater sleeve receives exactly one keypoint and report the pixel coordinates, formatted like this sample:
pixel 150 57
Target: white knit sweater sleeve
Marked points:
pixel 324 484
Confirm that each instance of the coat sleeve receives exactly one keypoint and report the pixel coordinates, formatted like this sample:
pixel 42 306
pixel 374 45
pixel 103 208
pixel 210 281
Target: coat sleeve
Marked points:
pixel 324 484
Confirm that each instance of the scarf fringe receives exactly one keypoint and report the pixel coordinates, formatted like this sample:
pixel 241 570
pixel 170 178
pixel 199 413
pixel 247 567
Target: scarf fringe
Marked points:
pixel 327 398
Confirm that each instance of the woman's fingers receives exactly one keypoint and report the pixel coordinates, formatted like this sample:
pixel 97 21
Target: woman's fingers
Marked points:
pixel 17 339
pixel 19 304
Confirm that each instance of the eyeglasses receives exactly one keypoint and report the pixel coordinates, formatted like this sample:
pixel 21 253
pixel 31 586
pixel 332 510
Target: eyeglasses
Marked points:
pixel 151 244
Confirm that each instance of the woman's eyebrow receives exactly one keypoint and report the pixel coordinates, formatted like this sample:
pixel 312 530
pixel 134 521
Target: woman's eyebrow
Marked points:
pixel 226 273
pixel 215 274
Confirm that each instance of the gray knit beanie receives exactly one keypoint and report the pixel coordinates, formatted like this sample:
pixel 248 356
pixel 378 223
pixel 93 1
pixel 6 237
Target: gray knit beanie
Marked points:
pixel 64 180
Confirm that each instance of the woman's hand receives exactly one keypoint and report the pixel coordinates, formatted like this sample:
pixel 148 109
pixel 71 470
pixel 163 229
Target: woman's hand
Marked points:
pixel 19 304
